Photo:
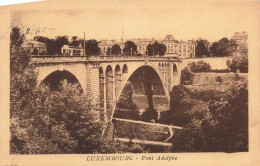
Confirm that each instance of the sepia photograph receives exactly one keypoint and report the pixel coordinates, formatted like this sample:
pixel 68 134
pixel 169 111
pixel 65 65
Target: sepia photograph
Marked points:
pixel 133 81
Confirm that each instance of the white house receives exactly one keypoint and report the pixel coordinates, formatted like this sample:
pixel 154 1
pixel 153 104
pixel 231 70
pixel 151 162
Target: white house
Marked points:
pixel 71 50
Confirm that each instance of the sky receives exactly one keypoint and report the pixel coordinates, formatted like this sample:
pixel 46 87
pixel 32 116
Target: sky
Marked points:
pixel 186 22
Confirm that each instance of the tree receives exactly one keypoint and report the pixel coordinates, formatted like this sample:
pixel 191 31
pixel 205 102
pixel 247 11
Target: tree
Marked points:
pixel 161 49
pixel 41 39
pixel 75 42
pixel 130 48
pixel 74 38
pixel 219 79
pixel 199 66
pixel 222 127
pixel 92 48
pixel 202 49
pixel 22 84
pixel 239 62
pixel 156 49
pixel 223 47
pixel 59 42
pixel 53 45
pixel 16 38
pixel 187 76
pixel 150 50
pixel 116 50
pixel 66 121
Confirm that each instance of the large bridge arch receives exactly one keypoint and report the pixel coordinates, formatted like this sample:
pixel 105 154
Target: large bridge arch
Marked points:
pixel 77 70
pixel 130 71
pixel 53 79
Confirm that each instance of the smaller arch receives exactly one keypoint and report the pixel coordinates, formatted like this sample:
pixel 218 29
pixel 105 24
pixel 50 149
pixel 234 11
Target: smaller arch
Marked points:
pixel 101 72
pixel 159 65
pixel 117 69
pixel 174 68
pixel 125 69
pixel 109 70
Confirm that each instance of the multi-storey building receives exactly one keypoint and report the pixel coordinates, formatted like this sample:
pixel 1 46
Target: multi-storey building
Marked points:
pixel 142 43
pixel 241 40
pixel 184 49
pixel 104 45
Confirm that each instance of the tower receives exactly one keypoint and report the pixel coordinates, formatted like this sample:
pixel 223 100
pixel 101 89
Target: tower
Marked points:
pixel 122 35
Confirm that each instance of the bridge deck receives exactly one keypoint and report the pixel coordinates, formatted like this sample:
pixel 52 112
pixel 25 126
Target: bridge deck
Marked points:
pixel 58 58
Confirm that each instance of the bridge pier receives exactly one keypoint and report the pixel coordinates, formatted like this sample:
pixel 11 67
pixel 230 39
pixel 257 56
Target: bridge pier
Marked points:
pixel 92 81
pixel 110 93
pixel 102 81
pixel 118 82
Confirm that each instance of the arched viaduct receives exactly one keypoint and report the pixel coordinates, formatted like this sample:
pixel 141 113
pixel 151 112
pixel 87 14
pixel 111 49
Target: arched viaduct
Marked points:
pixel 105 77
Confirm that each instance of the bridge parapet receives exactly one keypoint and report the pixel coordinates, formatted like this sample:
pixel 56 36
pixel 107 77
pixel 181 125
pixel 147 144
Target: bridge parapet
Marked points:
pixel 58 58
pixel 47 59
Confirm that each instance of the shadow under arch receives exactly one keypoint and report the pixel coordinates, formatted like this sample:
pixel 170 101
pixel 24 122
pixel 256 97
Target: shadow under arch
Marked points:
pixel 54 79
pixel 175 74
pixel 153 77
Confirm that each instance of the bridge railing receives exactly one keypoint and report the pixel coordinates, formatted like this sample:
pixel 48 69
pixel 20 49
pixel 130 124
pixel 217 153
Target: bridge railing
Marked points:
pixel 53 58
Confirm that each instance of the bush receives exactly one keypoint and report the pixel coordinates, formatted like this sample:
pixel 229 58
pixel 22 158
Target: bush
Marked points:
pixel 199 66
pixel 125 100
pixel 149 114
pixel 127 114
pixel 187 76
pixel 239 63
pixel 220 71
pixel 219 79
pixel 64 121
pixel 223 125
pixel 136 148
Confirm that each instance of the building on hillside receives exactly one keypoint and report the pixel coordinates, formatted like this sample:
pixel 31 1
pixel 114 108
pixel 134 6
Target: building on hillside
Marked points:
pixel 170 43
pixel 241 40
pixel 71 50
pixel 184 49
pixel 104 45
pixel 142 43
pixel 35 47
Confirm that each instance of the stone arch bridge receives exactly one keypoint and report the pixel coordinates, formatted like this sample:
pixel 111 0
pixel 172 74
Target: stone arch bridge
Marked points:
pixel 105 77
